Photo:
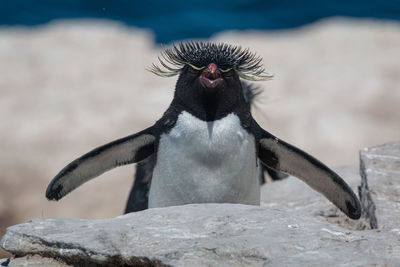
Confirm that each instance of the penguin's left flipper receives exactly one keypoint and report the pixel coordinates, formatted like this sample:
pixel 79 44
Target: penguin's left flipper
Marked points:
pixel 120 152
pixel 284 157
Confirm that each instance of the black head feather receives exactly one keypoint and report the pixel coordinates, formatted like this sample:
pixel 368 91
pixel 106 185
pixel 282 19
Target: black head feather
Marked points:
pixel 199 54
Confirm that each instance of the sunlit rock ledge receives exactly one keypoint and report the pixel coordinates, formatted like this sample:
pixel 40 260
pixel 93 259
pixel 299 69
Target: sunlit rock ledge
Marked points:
pixel 302 229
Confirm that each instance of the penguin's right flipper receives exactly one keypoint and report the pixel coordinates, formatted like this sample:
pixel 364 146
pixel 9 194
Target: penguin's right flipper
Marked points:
pixel 123 151
pixel 284 157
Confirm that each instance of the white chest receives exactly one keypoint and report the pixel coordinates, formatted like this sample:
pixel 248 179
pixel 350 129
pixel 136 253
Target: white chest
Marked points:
pixel 205 162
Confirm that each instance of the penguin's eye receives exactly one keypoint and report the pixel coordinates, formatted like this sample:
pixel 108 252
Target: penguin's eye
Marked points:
pixel 195 67
pixel 225 70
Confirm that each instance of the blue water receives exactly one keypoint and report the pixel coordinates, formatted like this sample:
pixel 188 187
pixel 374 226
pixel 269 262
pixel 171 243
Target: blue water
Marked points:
pixel 176 19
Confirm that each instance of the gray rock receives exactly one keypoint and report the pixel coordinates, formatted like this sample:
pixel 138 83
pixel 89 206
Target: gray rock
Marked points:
pixel 294 226
pixel 32 261
pixel 203 235
pixel 292 194
pixel 381 165
pixel 368 218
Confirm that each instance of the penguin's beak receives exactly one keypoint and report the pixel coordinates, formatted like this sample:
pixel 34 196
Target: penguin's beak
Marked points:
pixel 211 77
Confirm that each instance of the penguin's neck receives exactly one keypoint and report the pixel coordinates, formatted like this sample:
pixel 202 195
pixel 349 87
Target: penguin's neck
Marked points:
pixel 209 107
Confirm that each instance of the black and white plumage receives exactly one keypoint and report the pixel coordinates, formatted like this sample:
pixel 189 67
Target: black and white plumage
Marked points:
pixel 139 194
pixel 206 145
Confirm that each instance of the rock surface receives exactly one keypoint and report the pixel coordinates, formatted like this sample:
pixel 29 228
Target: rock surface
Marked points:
pixel 381 165
pixel 204 235
pixel 295 226
pixel 32 261
pixel 291 194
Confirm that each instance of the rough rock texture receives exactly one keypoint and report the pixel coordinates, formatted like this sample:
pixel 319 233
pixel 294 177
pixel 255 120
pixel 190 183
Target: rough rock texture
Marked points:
pixel 295 226
pixel 32 261
pixel 204 235
pixel 368 207
pixel 381 166
pixel 291 194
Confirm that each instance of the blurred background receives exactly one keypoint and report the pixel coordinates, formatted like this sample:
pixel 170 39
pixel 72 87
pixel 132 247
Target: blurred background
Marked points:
pixel 72 77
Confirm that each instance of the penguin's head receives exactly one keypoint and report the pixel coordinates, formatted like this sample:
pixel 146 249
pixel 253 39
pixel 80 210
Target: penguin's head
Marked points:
pixel 210 73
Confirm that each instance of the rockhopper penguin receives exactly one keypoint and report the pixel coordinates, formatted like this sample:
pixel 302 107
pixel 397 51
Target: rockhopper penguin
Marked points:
pixel 206 145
